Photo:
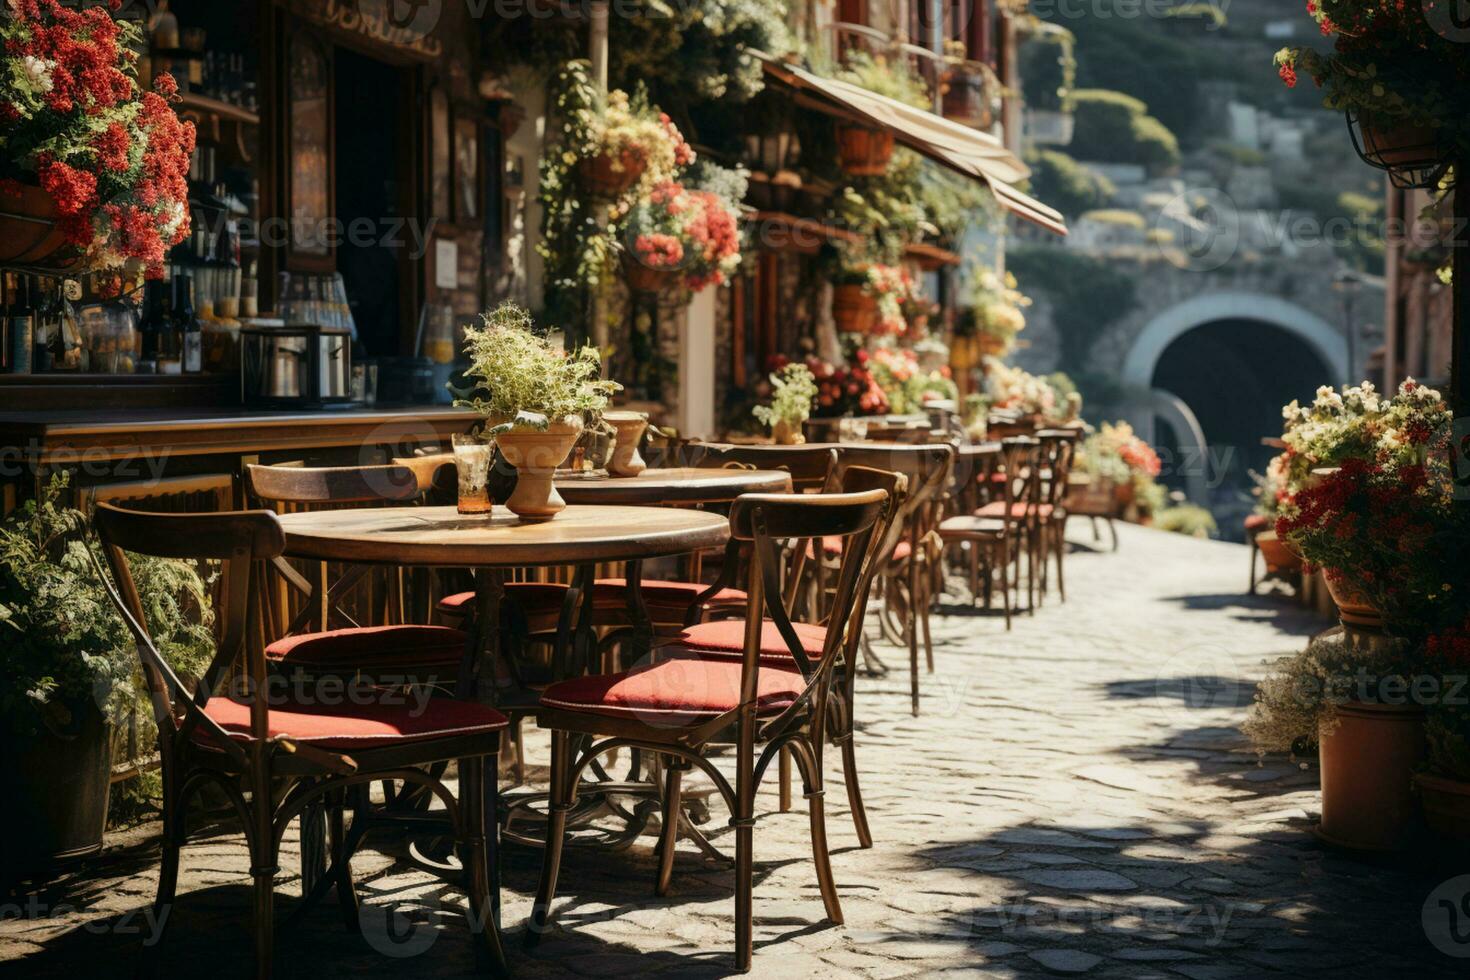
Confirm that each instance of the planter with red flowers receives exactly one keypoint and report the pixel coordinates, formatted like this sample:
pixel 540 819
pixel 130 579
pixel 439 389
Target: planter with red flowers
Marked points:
pixel 1400 74
pixel 93 170
pixel 869 298
pixel 682 236
pixel 628 143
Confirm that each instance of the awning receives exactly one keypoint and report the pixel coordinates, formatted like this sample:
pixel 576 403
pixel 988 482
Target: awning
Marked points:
pixel 962 149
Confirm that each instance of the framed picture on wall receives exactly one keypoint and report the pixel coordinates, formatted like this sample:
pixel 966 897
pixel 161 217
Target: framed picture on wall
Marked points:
pixel 466 170
pixel 441 188
pixel 310 132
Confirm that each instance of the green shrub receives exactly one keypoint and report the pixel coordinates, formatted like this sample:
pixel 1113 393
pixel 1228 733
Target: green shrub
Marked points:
pixel 1087 295
pixel 1113 127
pixel 1048 70
pixel 1066 185
pixel 1117 216
pixel 1190 519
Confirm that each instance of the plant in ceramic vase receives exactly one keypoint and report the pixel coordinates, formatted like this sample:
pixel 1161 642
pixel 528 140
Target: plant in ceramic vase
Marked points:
pixel 1400 67
pixel 98 164
pixel 793 390
pixel 537 399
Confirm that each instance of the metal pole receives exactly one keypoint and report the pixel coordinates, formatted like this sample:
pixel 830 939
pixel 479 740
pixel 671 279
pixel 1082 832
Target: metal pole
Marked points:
pixel 597 55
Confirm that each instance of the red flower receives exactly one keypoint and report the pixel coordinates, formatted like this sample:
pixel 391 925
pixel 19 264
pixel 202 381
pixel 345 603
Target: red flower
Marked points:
pixel 72 190
pixel 1288 75
pixel 112 147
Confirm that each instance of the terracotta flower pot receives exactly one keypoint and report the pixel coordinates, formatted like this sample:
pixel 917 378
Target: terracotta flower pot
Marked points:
pixel 991 345
pixel 1392 143
pixel 1279 557
pixel 863 152
pixel 783 433
pixel 854 310
pixel 1446 805
pixel 966 100
pixel 1123 494
pixel 1368 762
pixel 605 177
pixel 536 455
pixel 644 278
pixel 1353 606
pixel 30 233
pixel 626 460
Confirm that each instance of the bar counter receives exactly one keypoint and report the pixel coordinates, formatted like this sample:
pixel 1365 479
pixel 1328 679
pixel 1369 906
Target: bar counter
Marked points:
pixel 189 459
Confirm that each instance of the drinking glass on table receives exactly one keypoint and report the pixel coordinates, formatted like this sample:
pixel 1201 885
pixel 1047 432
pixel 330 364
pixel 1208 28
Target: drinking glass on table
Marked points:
pixel 472 460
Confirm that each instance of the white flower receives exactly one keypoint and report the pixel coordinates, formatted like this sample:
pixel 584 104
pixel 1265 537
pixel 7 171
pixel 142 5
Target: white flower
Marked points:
pixel 37 72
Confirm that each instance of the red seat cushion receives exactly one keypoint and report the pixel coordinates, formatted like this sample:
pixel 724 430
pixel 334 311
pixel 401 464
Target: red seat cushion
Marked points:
pixel 728 636
pixel 609 592
pixel 681 690
pixel 972 525
pixel 831 546
pixel 1257 522
pixel 1019 511
pixel 351 725
pixel 530 596
pixel 372 647
pixel 902 550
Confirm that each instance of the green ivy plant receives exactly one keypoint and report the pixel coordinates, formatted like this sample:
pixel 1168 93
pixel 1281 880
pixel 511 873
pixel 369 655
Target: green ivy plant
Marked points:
pixel 62 644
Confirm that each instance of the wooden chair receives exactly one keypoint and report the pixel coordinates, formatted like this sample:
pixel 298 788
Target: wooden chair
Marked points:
pixel 727 638
pixel 682 705
pixel 1018 504
pixel 991 539
pixel 905 574
pixel 269 752
pixel 1058 446
pixel 308 642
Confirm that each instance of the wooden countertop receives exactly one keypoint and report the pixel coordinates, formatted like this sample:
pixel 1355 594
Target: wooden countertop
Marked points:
pixel 59 436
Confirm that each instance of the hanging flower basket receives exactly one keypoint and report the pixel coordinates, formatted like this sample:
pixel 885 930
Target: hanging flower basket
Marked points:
pixel 643 278
pixel 862 151
pixel 1395 145
pixel 968 96
pixel 608 177
pixel 854 308
pixel 30 231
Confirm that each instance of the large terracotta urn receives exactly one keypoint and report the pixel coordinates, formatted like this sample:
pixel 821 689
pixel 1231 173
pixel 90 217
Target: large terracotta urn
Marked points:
pixel 536 456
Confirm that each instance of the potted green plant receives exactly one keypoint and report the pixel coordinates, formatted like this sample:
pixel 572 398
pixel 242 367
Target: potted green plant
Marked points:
pixel 1346 693
pixel 68 675
pixel 93 171
pixel 998 312
pixel 1401 74
pixel 793 389
pixel 537 400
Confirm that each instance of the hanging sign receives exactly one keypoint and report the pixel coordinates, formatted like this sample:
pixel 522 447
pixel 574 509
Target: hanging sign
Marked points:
pixel 405 26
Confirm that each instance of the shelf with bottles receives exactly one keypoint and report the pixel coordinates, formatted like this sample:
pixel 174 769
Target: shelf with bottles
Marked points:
pixel 218 81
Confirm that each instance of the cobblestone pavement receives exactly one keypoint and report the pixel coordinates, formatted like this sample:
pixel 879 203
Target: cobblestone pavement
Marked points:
pixel 1074 799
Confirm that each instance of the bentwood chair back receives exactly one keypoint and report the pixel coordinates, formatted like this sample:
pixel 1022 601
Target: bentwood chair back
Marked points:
pixel 1058 447
pixel 679 706
pixel 273 753
pixel 810 466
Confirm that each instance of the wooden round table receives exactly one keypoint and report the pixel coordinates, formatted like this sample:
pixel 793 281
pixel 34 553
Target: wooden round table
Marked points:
pixel 442 537
pixel 683 486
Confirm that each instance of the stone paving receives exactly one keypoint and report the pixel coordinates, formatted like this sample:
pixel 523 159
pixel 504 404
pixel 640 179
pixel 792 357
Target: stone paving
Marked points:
pixel 1075 799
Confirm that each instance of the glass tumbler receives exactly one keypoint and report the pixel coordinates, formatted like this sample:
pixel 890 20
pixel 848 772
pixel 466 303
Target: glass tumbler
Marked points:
pixel 472 460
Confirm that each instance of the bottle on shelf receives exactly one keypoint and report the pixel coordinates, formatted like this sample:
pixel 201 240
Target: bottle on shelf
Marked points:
pixel 188 327
pixel 17 326
pixel 164 28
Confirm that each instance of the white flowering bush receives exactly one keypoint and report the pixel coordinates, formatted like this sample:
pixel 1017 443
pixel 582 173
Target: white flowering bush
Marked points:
pixel 1359 423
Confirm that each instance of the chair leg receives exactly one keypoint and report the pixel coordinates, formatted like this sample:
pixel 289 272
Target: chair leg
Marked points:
pixel 669 833
pixel 1005 588
pixel 784 780
pixel 975 575
pixel 561 802
pixel 476 790
pixel 1061 544
pixel 263 872
pixel 337 841
pixel 845 741
pixel 168 879
pixel 1252 589
pixel 811 772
